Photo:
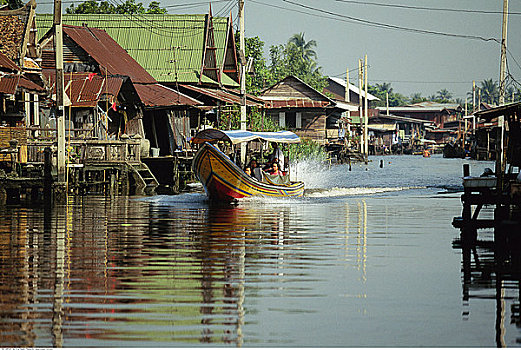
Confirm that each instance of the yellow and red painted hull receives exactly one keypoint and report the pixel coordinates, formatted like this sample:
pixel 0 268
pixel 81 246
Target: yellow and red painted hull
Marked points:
pixel 225 182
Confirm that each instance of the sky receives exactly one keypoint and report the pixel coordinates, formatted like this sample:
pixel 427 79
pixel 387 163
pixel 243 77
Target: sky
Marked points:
pixel 347 30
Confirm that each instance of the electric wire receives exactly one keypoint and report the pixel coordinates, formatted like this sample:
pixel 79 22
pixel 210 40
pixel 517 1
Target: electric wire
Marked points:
pixel 388 26
pixel 425 8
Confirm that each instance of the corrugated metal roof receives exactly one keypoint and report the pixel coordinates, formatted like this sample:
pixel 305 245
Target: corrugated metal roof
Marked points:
pixel 220 95
pixel 169 47
pixel 9 83
pixel 7 64
pixel 104 50
pixel 354 88
pixel 27 84
pixel 156 95
pixel 296 103
pixel 85 92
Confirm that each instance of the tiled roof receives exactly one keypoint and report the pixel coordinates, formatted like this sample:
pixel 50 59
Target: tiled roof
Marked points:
pixel 13 29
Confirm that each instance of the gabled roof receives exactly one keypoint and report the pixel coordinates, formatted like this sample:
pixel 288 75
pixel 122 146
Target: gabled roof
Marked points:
pixel 353 88
pixel 170 47
pixel 15 29
pixel 112 58
pixel 291 92
pixel 7 65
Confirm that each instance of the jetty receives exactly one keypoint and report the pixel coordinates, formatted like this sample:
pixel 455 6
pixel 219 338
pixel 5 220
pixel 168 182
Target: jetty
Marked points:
pixel 499 188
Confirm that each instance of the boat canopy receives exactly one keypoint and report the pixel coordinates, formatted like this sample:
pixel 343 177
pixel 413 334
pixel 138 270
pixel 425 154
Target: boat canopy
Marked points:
pixel 239 136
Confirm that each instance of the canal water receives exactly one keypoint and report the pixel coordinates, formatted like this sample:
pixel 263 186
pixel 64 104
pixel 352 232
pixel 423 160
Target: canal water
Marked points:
pixel 365 259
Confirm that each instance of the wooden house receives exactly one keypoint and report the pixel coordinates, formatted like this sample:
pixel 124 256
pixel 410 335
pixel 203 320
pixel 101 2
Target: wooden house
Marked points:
pixel 110 94
pixel 21 79
pixel 294 105
pixel 194 54
pixel 437 113
pixel 336 87
pixel 390 133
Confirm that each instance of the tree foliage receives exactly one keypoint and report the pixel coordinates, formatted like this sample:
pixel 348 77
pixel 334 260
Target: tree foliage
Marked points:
pixel 128 7
pixel 297 57
pixel 382 91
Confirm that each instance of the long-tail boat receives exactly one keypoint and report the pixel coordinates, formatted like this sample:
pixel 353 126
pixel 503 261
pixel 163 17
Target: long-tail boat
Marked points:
pixel 226 182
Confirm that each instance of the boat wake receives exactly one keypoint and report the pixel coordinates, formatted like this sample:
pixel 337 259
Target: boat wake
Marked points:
pixel 353 191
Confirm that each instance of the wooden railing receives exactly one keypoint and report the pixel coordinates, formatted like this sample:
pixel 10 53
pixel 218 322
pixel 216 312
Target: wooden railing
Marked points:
pixel 89 151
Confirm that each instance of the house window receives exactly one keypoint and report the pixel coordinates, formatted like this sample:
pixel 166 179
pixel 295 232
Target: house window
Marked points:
pixel 282 119
pixel 293 120
pixel 290 120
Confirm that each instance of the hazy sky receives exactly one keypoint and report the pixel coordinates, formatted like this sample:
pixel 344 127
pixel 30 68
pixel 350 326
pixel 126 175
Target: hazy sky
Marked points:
pixel 412 62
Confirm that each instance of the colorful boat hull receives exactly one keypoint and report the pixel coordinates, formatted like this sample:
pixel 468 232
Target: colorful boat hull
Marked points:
pixel 225 182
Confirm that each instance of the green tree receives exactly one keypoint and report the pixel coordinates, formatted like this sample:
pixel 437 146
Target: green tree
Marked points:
pixel 384 91
pixel 260 77
pixel 417 98
pixel 155 8
pixel 289 60
pixel 489 91
pixel 128 7
pixel 305 48
pixel 443 96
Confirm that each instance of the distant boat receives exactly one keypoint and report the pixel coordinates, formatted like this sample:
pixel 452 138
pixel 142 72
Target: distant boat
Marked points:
pixel 225 182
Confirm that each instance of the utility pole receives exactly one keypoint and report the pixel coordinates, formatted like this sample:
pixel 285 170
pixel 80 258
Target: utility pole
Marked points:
pixel 242 48
pixel 366 114
pixel 347 98
pixel 60 110
pixel 503 64
pixel 473 96
pixel 362 133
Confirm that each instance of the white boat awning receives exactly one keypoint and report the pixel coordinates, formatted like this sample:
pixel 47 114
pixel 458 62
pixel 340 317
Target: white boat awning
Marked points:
pixel 239 136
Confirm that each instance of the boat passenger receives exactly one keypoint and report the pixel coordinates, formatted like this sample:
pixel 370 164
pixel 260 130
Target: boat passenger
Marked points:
pixel 255 170
pixel 276 154
pixel 275 169
pixel 247 170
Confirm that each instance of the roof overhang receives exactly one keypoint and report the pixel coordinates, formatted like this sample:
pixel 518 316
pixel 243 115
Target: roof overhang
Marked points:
pixel 240 136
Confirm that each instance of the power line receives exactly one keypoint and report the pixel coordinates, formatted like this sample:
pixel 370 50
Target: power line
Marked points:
pixel 424 8
pixel 390 26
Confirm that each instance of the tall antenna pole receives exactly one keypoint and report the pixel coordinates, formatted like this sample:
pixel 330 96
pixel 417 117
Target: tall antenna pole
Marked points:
pixel 503 64
pixel 242 48
pixel 60 119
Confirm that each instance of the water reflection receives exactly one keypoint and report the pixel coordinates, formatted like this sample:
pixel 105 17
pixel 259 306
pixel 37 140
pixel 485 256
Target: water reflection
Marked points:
pixel 492 270
pixel 98 271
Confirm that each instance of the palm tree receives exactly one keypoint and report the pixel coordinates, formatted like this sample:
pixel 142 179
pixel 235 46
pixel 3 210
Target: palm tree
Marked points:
pixel 306 48
pixel 489 91
pixel 444 95
pixel 417 97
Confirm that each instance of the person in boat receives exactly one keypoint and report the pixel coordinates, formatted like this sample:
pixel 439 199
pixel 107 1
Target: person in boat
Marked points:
pixel 276 154
pixel 275 169
pixel 247 170
pixel 255 169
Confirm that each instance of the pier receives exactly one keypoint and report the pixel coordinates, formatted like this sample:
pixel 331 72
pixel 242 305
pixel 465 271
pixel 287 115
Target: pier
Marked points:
pixel 28 167
pixel 500 189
